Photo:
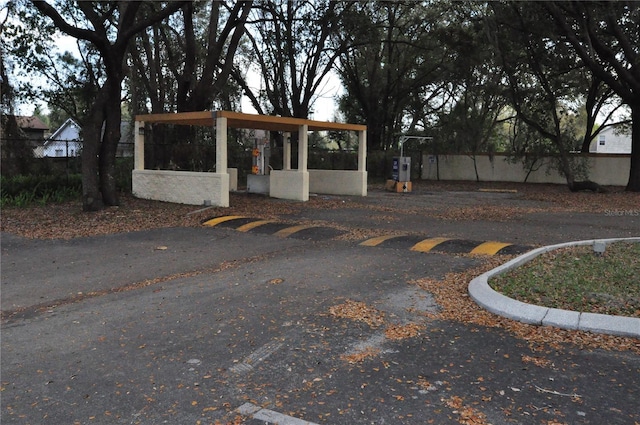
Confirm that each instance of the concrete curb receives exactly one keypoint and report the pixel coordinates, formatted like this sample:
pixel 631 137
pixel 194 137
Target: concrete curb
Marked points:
pixel 486 297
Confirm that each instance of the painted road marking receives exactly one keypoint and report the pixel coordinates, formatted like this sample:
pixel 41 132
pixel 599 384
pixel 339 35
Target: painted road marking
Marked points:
pixel 428 244
pixel 218 220
pixel 378 240
pixel 489 248
pixel 398 241
pixel 288 231
pixel 253 225
pixel 269 416
pixel 498 190
pixel 515 249
pixel 256 357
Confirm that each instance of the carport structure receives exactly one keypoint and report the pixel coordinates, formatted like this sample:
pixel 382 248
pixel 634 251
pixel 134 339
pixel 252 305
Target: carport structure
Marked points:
pixel 213 188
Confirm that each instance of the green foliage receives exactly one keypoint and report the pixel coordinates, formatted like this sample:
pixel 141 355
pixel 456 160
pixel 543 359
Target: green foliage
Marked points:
pixel 124 167
pixel 24 190
pixel 393 68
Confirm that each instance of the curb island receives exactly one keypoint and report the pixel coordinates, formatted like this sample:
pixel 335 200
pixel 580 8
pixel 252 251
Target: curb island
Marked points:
pixel 499 304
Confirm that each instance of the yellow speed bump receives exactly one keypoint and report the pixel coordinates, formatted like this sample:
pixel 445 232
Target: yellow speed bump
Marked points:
pixel 288 231
pixel 218 220
pixel 253 225
pixel 489 248
pixel 428 244
pixel 378 240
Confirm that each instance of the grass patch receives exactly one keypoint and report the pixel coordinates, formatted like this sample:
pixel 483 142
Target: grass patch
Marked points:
pixel 577 279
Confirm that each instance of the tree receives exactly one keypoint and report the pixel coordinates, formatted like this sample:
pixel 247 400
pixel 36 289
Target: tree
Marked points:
pixel 392 64
pixel 15 154
pixel 600 101
pixel 545 82
pixel 475 90
pixel 606 38
pixel 190 55
pixel 107 29
pixel 294 48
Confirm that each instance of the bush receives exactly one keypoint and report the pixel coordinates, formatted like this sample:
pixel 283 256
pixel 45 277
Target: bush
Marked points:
pixel 23 190
pixel 124 167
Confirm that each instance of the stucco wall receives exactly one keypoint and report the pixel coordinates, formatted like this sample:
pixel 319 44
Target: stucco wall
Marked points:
pixel 610 170
pixel 182 187
pixel 233 179
pixel 338 182
pixel 289 184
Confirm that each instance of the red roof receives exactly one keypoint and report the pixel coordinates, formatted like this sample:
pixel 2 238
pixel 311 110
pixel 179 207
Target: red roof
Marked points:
pixel 31 123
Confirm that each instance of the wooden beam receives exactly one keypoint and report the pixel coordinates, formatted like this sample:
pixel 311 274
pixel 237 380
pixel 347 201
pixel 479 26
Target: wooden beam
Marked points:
pixel 250 121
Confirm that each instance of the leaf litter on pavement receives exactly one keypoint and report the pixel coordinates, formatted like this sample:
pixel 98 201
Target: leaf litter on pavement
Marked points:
pixel 67 221
pixel 452 296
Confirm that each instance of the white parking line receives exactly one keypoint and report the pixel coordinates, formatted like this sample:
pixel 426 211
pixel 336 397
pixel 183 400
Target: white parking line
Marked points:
pixel 269 416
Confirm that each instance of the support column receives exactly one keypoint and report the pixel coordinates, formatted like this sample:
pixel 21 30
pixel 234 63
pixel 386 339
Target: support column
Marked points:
pixel 362 150
pixel 221 145
pixel 303 147
pixel 138 147
pixel 286 150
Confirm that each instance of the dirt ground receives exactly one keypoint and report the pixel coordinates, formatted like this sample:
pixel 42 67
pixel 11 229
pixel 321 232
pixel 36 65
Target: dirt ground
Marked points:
pixel 67 220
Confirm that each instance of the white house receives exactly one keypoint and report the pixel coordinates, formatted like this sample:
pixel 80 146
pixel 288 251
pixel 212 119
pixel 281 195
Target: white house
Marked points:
pixel 615 139
pixel 64 142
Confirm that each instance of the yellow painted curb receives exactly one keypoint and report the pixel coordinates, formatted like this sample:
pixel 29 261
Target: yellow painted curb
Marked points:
pixel 489 248
pixel 218 220
pixel 291 230
pixel 253 225
pixel 378 240
pixel 428 244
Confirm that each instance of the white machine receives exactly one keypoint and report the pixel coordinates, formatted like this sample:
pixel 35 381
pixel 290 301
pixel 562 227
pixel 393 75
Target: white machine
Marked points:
pixel 258 180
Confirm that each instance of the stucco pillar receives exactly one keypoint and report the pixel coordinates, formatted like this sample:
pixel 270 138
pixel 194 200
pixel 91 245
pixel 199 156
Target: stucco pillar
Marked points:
pixel 221 145
pixel 303 146
pixel 138 147
pixel 286 151
pixel 362 150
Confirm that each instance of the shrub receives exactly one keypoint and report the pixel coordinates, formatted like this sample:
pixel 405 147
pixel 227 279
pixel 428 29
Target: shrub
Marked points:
pixel 23 190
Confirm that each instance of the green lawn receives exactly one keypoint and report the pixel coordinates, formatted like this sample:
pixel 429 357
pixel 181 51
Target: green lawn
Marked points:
pixel 577 279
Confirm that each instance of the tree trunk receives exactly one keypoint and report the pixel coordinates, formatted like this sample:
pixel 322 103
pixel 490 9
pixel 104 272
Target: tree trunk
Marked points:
pixel 576 186
pixel 109 146
pixel 91 196
pixel 565 167
pixel 634 172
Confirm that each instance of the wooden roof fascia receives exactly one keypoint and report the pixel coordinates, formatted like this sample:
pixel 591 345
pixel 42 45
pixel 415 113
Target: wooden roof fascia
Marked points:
pixel 204 118
pixel 249 121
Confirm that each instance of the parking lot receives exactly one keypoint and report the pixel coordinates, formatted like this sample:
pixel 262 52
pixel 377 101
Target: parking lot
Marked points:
pixel 216 324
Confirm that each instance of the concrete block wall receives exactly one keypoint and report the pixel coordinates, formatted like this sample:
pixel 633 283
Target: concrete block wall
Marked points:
pixel 182 187
pixel 610 170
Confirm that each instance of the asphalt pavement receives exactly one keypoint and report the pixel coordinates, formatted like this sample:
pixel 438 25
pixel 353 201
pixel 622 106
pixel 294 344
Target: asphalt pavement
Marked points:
pixel 215 325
